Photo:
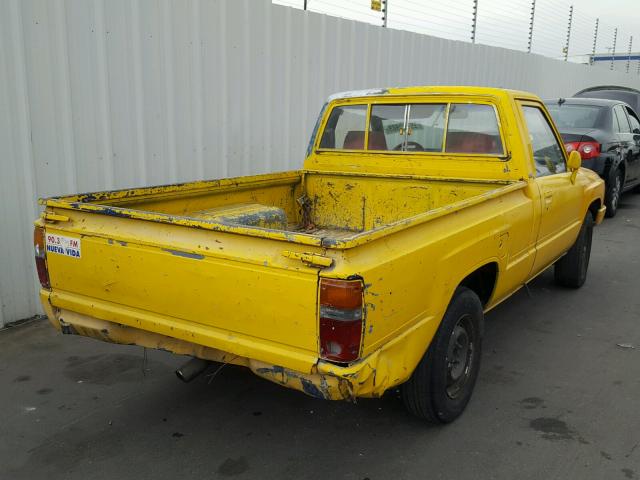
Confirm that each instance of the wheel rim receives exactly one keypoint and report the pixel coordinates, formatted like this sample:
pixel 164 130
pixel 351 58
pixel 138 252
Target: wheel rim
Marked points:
pixel 615 193
pixel 460 356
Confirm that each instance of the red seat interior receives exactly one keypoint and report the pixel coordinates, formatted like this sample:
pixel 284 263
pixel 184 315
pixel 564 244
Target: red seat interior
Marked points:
pixel 377 141
pixel 471 142
pixel 354 140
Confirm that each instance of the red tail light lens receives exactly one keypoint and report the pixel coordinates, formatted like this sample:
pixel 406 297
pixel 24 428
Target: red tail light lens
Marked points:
pixel 571 146
pixel 41 257
pixel 341 319
pixel 587 150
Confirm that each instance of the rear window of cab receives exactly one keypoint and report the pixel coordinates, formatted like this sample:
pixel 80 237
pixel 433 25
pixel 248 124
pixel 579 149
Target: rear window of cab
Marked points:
pixel 451 128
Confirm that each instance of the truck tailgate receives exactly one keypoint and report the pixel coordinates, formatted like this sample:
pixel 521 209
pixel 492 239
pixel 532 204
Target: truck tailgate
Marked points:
pixel 235 293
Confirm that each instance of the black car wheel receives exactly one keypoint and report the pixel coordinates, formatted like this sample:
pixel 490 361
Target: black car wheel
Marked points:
pixel 613 193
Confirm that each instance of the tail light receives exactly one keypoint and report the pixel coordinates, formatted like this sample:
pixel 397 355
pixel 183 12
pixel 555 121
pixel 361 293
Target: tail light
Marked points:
pixel 586 150
pixel 41 256
pixel 341 319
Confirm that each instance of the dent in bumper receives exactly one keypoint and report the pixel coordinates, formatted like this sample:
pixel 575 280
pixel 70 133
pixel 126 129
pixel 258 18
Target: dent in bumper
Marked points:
pixel 386 367
pixel 326 387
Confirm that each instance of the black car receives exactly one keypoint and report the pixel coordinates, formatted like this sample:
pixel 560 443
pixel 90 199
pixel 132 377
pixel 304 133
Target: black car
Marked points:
pixel 606 133
pixel 630 96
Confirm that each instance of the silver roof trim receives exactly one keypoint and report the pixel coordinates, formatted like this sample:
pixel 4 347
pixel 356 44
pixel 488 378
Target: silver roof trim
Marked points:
pixel 371 92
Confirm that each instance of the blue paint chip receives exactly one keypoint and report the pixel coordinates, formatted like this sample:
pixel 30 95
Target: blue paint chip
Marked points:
pixel 310 389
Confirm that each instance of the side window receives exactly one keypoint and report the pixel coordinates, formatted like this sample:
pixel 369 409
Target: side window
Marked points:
pixel 473 128
pixel 616 122
pixel 547 153
pixel 620 114
pixel 345 128
pixel 386 127
pixel 635 124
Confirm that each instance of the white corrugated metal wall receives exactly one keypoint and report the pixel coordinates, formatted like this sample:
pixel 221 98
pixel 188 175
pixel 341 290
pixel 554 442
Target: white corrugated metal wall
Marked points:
pixel 100 94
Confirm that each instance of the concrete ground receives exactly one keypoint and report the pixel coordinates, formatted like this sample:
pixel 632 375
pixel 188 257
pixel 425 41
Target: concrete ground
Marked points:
pixel 558 398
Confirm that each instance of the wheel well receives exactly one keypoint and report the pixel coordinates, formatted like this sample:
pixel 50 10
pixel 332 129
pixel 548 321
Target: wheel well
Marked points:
pixel 482 281
pixel 594 207
pixel 621 165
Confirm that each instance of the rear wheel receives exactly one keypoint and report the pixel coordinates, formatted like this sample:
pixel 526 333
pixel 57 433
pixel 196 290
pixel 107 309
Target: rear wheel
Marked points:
pixel 571 270
pixel 613 193
pixel 442 383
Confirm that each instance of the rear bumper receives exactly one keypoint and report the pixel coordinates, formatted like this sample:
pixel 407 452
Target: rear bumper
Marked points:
pixel 598 165
pixel 385 368
pixel 179 329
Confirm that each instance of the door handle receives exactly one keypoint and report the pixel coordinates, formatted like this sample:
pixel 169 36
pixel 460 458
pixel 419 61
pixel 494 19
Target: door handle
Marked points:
pixel 548 199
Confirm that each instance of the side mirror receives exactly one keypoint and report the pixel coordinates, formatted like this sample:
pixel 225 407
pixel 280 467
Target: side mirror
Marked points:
pixel 574 163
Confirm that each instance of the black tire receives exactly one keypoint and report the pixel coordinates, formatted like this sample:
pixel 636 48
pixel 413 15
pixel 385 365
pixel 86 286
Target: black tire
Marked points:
pixel 571 270
pixel 613 193
pixel 441 385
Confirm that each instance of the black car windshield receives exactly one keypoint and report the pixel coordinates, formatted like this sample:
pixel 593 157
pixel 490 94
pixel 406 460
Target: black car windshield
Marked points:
pixel 575 116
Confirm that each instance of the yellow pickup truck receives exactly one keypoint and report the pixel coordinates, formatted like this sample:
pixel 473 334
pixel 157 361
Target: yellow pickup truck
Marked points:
pixel 417 210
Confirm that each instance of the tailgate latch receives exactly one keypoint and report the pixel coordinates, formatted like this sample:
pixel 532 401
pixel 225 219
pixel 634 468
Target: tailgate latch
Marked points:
pixel 309 258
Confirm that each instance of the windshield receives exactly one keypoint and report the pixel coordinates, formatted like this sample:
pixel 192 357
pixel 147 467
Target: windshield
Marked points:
pixel 575 116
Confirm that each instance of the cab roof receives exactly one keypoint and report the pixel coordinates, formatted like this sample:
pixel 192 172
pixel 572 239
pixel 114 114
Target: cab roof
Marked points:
pixel 432 90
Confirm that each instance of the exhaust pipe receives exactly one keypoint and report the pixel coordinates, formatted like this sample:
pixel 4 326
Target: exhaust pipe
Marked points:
pixel 192 369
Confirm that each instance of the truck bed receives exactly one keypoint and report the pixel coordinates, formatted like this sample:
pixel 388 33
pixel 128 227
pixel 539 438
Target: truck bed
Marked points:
pixel 328 209
pixel 248 244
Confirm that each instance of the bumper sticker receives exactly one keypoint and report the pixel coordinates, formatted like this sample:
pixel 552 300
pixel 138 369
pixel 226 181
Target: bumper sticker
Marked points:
pixel 63 245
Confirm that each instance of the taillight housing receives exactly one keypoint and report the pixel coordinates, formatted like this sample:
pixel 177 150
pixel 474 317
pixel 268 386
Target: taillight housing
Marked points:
pixel 40 251
pixel 341 319
pixel 586 150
